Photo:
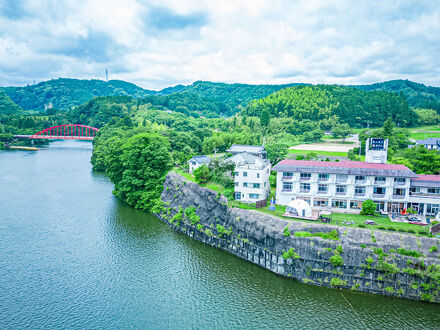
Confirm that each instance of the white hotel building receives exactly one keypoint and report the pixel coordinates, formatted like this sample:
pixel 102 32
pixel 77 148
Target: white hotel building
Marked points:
pixel 343 186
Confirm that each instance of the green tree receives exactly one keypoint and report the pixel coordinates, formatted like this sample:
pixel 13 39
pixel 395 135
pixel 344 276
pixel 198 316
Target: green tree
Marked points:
pixel 368 207
pixel 202 174
pixel 264 118
pixel 388 127
pixel 276 152
pixel 424 161
pixel 427 116
pixel 341 131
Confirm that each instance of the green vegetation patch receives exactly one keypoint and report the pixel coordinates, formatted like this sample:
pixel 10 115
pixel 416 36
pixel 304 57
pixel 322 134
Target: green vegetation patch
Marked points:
pixel 333 235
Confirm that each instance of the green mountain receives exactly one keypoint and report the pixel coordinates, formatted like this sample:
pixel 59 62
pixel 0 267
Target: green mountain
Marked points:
pixel 331 103
pixel 65 93
pixel 7 106
pixel 418 95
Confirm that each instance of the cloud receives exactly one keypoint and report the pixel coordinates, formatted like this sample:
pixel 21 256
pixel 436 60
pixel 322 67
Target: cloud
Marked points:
pixel 161 43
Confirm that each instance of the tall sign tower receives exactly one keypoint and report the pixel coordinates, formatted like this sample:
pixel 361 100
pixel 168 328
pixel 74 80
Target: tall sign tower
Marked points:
pixel 376 150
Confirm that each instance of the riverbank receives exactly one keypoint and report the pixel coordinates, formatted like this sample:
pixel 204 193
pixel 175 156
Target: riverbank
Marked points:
pixel 355 259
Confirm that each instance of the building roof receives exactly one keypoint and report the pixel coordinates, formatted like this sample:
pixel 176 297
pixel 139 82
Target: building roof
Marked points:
pixel 429 141
pixel 201 159
pixel 427 177
pixel 236 148
pixel 426 180
pixel 345 167
pixel 245 158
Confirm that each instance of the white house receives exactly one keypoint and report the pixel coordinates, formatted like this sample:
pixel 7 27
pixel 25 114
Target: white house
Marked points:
pixel 197 161
pixel 429 143
pixel 251 177
pixel 343 186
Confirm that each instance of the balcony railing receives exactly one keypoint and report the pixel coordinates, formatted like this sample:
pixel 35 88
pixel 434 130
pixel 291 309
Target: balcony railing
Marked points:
pixel 378 195
pixel 398 196
pixel 286 190
pixel 341 180
pixel 322 192
pixel 287 178
pixel 379 182
pixel 421 194
pixel 399 183
pixel 359 194
pixel 306 191
pixel 322 179
pixel 341 193
pixel 360 181
pixel 304 178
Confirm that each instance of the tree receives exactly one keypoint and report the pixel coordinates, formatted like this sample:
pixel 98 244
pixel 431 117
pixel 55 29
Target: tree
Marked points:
pixel 202 174
pixel 427 116
pixel 423 160
pixel 341 131
pixel 264 118
pixel 388 127
pixel 368 207
pixel 276 152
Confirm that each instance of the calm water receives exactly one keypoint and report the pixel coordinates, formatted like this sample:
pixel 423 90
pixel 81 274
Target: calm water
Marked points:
pixel 72 256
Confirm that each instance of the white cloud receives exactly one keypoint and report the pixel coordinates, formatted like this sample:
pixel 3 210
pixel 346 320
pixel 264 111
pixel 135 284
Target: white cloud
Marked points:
pixel 160 43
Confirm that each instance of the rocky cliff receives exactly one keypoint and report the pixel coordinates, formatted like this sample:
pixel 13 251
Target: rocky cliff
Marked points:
pixel 356 259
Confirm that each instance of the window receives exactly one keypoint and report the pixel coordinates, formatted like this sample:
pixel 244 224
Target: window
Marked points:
pixel 258 175
pixel 432 209
pixel 380 206
pixel 433 190
pixel 256 185
pixel 320 202
pixel 322 188
pixel 323 177
pixel 400 181
pixel 341 178
pixel 414 190
pixel 399 192
pixel 287 175
pixel 245 184
pixel 237 173
pixel 244 173
pixel 265 183
pixel 305 176
pixel 359 191
pixel 304 187
pixel 287 186
pixel 306 199
pixel 238 195
pixel 339 204
pixel 379 179
pixel 359 179
pixel 341 190
pixel 236 184
pixel 379 191
pixel 356 205
pixel 254 196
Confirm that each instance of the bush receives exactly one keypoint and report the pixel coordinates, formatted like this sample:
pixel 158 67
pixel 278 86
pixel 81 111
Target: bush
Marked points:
pixel 223 231
pixel 362 225
pixel 368 207
pixel 382 227
pixel 410 253
pixel 363 246
pixel 412 231
pixel 290 254
pixel 202 174
pixel 433 248
pixel 286 232
pixel 391 228
pixel 336 260
pixel 423 232
pixel 337 282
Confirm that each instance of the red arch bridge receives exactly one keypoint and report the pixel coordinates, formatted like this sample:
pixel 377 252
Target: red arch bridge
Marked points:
pixel 64 132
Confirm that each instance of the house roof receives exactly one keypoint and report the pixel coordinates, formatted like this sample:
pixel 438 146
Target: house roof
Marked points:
pixel 429 141
pixel 427 177
pixel 426 180
pixel 345 167
pixel 201 159
pixel 236 148
pixel 245 158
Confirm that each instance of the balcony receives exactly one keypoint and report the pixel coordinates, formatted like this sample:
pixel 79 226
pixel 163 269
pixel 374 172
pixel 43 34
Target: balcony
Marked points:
pixel 322 179
pixel 284 178
pixel 322 192
pixel 360 181
pixel 304 178
pixel 305 191
pixel 359 194
pixel 398 196
pixel 421 194
pixel 378 195
pixel 341 181
pixel 286 190
pixel 399 183
pixel 380 182
pixel 341 193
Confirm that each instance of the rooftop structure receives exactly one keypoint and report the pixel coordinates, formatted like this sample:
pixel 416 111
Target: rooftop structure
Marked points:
pixel 197 161
pixel 254 150
pixel 376 150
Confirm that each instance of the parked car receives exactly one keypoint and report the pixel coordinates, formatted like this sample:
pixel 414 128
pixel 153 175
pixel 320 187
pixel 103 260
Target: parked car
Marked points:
pixel 415 219
pixel 369 222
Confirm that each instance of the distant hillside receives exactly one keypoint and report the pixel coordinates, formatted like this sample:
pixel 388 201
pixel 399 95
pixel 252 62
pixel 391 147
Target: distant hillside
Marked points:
pixel 64 93
pixel 418 95
pixel 204 98
pixel 332 103
pixel 7 106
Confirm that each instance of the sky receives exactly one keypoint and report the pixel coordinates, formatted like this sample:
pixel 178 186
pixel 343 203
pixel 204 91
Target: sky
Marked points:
pixel 156 44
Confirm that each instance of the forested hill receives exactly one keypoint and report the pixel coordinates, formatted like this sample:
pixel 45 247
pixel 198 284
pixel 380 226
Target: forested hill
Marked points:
pixel 418 95
pixel 7 106
pixel 330 104
pixel 64 93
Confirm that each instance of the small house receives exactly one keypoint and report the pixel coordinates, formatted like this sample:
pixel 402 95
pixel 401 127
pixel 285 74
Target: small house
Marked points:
pixel 197 161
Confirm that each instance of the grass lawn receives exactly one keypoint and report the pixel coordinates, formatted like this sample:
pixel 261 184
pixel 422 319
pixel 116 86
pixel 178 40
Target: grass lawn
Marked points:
pixel 426 128
pixel 321 153
pixel 211 185
pixel 422 136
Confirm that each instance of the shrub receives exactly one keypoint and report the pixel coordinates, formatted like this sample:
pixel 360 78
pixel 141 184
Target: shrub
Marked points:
pixel 362 225
pixel 336 260
pixel 222 230
pixel 391 228
pixel 369 261
pixel 412 231
pixel 202 174
pixel 425 286
pixel 368 207
pixel 410 253
pixel 433 248
pixel 333 235
pixel 363 246
pixel 426 297
pixel 389 289
pixel 423 232
pixel 286 232
pixel 387 268
pixel 337 282
pixel 290 254
pixel 382 227
pixel 200 227
pixel 339 249
pixel 190 213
